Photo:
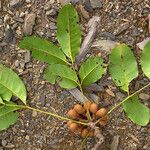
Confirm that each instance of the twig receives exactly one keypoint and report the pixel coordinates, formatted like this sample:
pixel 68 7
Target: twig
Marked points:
pixel 93 25
pixel 98 134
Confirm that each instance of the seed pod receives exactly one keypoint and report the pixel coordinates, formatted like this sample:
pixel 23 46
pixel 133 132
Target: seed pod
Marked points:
pixel 79 109
pixel 72 114
pixel 87 105
pixel 93 108
pixel 84 133
pixel 73 127
pixel 69 123
pixel 101 112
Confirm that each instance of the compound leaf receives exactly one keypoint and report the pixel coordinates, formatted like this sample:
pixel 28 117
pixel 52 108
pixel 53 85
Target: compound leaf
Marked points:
pixel 43 50
pixel 145 60
pixel 12 84
pixel 66 77
pixel 8 116
pixel 68 31
pixel 137 111
pixel 123 66
pixel 91 70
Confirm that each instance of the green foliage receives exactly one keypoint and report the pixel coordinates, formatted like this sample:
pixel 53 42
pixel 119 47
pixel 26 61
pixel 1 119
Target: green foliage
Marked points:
pixel 8 115
pixel 43 50
pixel 68 31
pixel 11 84
pixel 136 111
pixel 145 60
pixel 91 70
pixel 123 66
pixel 68 78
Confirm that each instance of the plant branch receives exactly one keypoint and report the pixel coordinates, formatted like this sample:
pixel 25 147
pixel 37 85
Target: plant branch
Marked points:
pixel 115 107
pixel 48 113
pixel 128 98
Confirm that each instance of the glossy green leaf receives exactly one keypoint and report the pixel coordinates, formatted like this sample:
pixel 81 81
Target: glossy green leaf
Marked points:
pixel 123 66
pixel 68 31
pixel 43 50
pixel 65 76
pixel 11 81
pixel 136 111
pixel 8 116
pixel 91 70
pixel 145 60
pixel 5 93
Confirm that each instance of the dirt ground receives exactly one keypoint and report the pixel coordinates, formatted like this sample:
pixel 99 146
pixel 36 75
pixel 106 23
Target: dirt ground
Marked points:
pixel 121 21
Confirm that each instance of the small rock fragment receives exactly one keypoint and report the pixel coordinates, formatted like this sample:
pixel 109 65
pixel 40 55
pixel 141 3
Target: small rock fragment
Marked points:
pixel 34 113
pixel 115 142
pixel 29 23
pixel 105 45
pixel 144 96
pixel 96 3
pixel 52 26
pixel 16 3
pixel 51 12
pixel 108 91
pixel 84 13
pixel 122 28
pixel 4 142
pixel 27 137
pixel 10 145
pixel 27 57
pixel 9 35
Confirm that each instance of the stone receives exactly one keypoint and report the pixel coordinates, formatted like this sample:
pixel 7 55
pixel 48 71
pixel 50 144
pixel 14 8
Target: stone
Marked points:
pixel 108 35
pixel 29 23
pixel 9 35
pixel 144 96
pixel 87 5
pixel 96 3
pixel 4 142
pixel 10 145
pixel 105 45
pixel 34 113
pixel 143 43
pixel 51 12
pixel 52 26
pixel 83 12
pixel 27 57
pixel 115 143
pixel 27 137
pixel 16 3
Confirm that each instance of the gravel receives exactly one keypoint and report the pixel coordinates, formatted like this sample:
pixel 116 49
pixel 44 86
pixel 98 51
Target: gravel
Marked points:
pixel 121 21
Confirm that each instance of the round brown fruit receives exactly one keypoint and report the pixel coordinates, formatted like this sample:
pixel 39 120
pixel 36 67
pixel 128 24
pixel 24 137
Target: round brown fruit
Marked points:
pixel 101 112
pixel 87 105
pixel 93 108
pixel 84 133
pixel 73 127
pixel 69 123
pixel 79 109
pixel 72 114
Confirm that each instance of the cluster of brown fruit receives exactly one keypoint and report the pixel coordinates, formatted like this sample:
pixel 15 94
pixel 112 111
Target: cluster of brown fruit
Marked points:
pixel 79 113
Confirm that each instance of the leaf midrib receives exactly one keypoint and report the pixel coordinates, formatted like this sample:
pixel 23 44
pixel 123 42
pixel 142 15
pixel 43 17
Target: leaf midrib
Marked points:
pixel 34 49
pixel 90 72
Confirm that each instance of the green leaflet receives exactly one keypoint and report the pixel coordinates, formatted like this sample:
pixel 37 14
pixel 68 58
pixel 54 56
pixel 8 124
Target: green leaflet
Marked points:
pixel 137 111
pixel 145 60
pixel 7 115
pixel 67 77
pixel 43 50
pixel 12 84
pixel 122 66
pixel 91 70
pixel 68 31
pixel 5 93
